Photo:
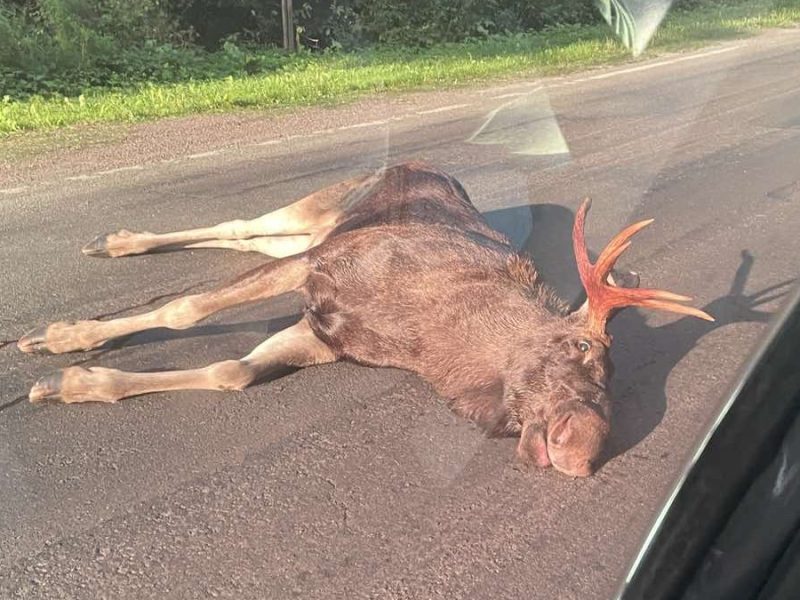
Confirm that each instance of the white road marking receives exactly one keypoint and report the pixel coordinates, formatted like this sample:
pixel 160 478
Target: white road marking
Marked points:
pixel 204 154
pixel 15 190
pixel 514 94
pixel 442 109
pixel 619 72
pixel 360 125
pixel 655 65
pixel 83 177
pixel 120 170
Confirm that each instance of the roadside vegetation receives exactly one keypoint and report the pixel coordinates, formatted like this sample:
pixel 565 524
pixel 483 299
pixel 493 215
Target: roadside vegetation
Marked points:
pixel 64 62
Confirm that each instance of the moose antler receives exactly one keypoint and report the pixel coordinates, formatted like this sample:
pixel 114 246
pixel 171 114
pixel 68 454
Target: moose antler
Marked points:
pixel 604 298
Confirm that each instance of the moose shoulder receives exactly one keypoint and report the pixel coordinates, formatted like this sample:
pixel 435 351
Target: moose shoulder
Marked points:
pixel 397 269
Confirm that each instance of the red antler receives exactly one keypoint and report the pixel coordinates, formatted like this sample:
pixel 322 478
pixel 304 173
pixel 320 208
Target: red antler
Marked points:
pixel 604 298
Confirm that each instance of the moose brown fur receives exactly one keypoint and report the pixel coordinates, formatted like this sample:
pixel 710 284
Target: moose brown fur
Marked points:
pixel 398 269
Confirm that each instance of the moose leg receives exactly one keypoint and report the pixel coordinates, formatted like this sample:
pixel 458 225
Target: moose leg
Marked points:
pixel 276 246
pixel 272 279
pixel 296 346
pixel 296 227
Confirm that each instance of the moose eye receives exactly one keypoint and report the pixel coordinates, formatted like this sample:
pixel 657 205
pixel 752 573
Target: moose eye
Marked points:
pixel 584 346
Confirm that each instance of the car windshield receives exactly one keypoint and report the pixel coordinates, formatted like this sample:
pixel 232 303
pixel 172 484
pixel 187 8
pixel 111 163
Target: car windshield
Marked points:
pixel 312 169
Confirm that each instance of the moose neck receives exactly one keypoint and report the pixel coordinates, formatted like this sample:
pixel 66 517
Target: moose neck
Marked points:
pixel 491 360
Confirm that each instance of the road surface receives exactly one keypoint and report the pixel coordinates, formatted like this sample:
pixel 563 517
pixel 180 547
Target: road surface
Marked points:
pixel 348 482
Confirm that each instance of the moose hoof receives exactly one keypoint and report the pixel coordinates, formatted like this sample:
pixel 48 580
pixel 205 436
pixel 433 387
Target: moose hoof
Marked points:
pixel 77 384
pixel 34 341
pixel 47 388
pixel 98 247
pixel 121 243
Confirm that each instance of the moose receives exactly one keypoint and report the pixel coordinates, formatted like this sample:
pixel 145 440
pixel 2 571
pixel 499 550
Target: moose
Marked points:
pixel 397 269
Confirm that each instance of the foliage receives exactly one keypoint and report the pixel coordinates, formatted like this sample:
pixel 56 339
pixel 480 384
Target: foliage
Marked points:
pixel 417 23
pixel 335 76
pixel 152 62
pixel 68 48
pixel 64 46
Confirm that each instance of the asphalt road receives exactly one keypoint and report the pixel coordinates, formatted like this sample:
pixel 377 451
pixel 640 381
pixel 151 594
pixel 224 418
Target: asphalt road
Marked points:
pixel 347 482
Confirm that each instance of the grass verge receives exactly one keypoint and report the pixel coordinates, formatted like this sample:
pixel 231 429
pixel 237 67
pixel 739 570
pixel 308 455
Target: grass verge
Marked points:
pixel 339 77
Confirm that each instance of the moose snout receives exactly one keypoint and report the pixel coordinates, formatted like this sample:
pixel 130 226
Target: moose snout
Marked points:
pixel 582 470
pixel 575 441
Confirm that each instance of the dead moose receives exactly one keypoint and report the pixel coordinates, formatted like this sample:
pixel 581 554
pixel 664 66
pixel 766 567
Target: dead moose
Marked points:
pixel 398 269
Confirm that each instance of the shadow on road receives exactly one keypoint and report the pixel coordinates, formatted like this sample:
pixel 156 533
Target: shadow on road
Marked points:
pixel 644 355
pixel 651 353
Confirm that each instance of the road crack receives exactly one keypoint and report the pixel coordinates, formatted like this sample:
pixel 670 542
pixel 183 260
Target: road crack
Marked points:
pixel 338 502
pixel 13 402
pixel 4 343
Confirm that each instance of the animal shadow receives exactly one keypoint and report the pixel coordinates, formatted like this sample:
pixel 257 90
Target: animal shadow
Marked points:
pixel 644 355
pixel 650 353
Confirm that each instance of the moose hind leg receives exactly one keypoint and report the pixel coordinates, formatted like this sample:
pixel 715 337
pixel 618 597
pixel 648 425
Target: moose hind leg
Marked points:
pixel 268 280
pixel 296 346
pixel 311 218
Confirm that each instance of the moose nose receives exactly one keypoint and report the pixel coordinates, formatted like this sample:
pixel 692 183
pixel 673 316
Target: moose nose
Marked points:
pixel 561 431
pixel 584 470
pixel 575 441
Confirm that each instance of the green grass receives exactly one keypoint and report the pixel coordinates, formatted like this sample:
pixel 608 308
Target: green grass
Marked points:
pixel 338 77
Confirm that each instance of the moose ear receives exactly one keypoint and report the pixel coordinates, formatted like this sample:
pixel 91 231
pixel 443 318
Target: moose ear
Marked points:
pixel 581 313
pixel 532 447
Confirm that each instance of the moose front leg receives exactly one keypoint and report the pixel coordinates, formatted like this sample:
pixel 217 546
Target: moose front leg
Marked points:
pixel 296 346
pixel 271 279
pixel 283 232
